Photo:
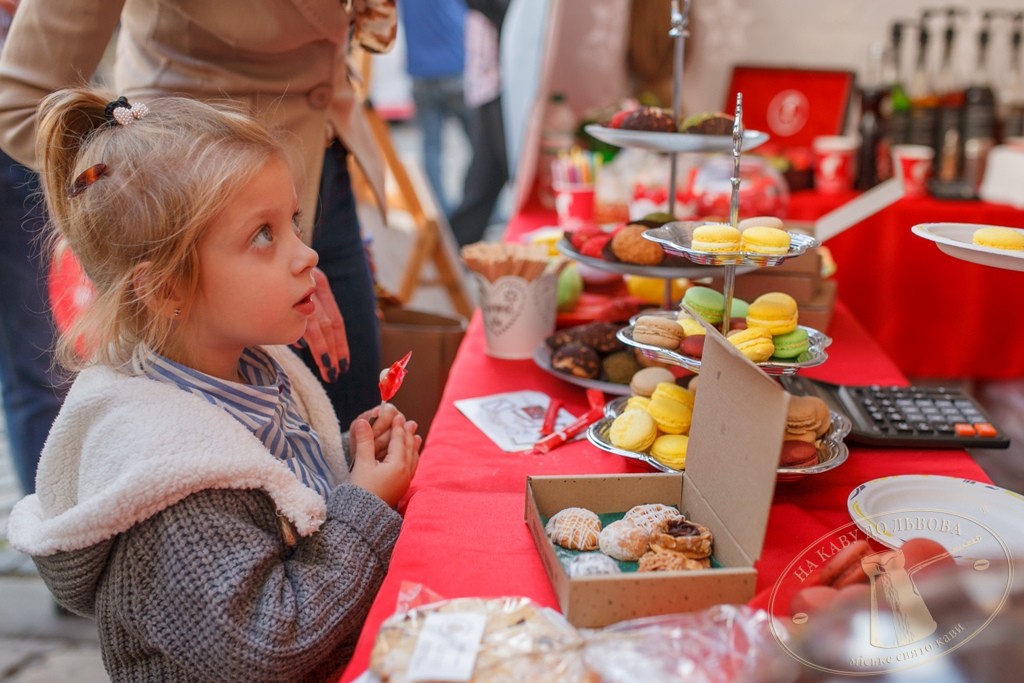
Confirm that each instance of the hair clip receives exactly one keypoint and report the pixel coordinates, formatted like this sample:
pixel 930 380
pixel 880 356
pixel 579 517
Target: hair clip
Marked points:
pixel 120 112
pixel 86 178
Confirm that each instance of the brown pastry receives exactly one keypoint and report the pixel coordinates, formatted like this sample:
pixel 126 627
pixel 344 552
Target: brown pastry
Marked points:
pixel 660 560
pixel 629 246
pixel 684 537
pixel 599 336
pixel 650 516
pixel 654 330
pixel 650 119
pixel 574 528
pixel 576 359
pixel 624 541
pixel 707 123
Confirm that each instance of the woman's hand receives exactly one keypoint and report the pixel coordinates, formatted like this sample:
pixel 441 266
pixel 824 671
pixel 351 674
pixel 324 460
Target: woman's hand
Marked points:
pixel 325 332
pixel 387 474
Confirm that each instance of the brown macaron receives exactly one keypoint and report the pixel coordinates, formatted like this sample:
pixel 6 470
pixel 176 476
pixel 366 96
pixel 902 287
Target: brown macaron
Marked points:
pixel 645 381
pixel 654 330
pixel 796 453
pixel 630 246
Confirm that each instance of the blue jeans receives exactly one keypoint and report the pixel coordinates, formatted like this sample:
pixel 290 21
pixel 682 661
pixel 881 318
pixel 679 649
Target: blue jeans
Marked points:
pixel 437 99
pixel 33 389
pixel 337 239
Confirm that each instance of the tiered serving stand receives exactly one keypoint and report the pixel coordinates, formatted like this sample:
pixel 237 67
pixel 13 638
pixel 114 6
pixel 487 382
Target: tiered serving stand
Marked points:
pixel 676 239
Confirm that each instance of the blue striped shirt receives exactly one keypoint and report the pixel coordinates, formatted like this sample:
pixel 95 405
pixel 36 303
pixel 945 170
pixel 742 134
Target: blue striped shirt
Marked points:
pixel 263 404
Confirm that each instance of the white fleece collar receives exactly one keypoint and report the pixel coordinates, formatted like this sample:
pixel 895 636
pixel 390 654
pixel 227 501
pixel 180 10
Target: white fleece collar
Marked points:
pixel 124 448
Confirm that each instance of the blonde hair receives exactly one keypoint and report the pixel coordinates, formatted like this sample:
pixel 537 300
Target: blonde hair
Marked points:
pixel 136 227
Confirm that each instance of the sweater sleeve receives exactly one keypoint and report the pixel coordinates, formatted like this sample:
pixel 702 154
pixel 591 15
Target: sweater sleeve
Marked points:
pixel 209 587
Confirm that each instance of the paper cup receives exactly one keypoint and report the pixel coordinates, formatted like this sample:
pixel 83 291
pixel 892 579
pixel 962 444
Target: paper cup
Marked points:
pixel 913 163
pixel 518 314
pixel 834 162
pixel 574 205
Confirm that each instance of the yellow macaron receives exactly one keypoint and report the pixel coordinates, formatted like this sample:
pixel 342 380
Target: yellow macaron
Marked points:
pixel 670 450
pixel 715 238
pixel 671 417
pixel 762 239
pixel 690 325
pixel 999 238
pixel 776 311
pixel 754 342
pixel 674 392
pixel 638 403
pixel 633 430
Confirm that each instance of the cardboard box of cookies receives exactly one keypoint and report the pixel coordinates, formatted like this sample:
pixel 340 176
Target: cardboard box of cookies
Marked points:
pixel 738 426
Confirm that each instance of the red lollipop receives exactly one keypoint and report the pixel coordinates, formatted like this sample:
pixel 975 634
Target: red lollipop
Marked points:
pixel 391 378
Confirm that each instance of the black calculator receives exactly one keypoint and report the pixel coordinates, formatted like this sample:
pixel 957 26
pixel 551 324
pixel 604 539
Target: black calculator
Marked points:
pixel 911 416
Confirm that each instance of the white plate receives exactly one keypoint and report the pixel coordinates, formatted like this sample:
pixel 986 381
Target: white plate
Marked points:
pixel 950 511
pixel 832 451
pixel 955 239
pixel 542 357
pixel 673 142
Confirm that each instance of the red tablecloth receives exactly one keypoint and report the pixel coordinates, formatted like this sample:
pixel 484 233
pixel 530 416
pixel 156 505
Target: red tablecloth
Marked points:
pixel 464 533
pixel 934 315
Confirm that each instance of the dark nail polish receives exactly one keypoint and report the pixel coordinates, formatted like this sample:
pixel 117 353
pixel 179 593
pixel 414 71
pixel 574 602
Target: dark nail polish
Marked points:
pixel 325 360
pixel 332 374
pixel 301 343
pixel 343 365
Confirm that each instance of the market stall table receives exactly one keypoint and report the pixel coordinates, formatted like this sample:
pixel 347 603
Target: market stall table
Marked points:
pixel 464 532
pixel 934 315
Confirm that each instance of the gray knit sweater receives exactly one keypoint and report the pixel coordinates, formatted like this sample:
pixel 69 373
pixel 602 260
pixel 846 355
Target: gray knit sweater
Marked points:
pixel 199 554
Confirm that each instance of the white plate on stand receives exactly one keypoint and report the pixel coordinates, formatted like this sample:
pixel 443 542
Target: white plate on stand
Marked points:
pixel 954 239
pixel 656 141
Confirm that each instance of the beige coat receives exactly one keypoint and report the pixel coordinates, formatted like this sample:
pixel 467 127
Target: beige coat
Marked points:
pixel 284 58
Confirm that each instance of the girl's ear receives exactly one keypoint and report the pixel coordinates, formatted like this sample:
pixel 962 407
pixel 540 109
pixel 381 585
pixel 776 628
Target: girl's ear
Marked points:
pixel 159 297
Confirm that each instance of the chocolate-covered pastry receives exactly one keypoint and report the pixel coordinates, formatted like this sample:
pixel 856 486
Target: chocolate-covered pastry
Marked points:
pixel 600 336
pixel 707 123
pixel 576 359
pixel 651 119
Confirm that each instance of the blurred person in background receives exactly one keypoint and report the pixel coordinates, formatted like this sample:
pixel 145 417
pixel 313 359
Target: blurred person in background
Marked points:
pixel 488 167
pixel 286 64
pixel 435 58
pixel 33 388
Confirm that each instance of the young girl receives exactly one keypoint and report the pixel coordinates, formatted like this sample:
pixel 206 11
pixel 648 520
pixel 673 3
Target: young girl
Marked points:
pixel 194 493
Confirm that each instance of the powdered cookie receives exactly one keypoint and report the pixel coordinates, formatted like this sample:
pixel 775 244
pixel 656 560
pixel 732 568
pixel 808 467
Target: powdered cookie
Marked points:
pixel 592 564
pixel 624 540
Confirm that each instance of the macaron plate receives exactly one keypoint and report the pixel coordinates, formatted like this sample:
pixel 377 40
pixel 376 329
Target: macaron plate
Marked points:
pixel 814 355
pixel 832 451
pixel 954 239
pixel 677 237
pixel 656 141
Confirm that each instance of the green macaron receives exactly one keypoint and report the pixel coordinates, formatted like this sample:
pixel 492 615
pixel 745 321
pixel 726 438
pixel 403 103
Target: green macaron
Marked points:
pixel 790 344
pixel 739 308
pixel 705 302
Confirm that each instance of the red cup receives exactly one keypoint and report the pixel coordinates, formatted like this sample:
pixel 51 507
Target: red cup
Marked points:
pixel 913 163
pixel 834 161
pixel 574 205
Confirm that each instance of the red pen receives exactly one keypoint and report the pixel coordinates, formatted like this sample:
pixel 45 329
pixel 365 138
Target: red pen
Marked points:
pixel 553 441
pixel 550 417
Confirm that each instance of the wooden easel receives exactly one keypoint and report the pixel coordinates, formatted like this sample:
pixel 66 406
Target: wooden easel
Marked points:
pixel 411 195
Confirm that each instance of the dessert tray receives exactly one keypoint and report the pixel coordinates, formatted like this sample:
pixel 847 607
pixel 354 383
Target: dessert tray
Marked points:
pixel 656 141
pixel 814 355
pixel 681 268
pixel 542 357
pixel 991 519
pixel 832 451
pixel 676 238
pixel 954 239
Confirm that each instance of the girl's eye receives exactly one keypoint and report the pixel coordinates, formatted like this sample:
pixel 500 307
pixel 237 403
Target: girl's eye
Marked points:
pixel 295 224
pixel 264 237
